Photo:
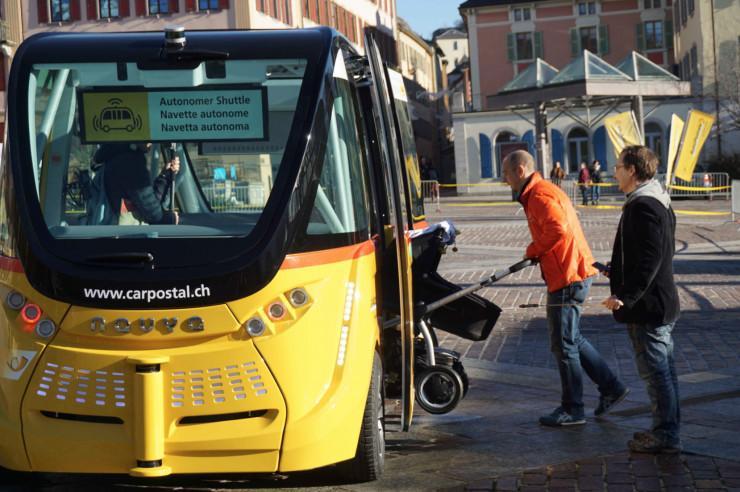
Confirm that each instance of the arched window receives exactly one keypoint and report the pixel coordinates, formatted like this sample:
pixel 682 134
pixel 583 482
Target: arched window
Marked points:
pixel 578 149
pixel 654 141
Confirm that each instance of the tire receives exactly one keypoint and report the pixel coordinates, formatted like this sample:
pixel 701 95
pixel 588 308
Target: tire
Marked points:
pixel 460 370
pixel 438 389
pixel 369 460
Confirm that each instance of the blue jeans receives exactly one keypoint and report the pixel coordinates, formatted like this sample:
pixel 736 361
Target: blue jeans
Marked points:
pixel 572 351
pixel 584 193
pixel 654 356
pixel 595 193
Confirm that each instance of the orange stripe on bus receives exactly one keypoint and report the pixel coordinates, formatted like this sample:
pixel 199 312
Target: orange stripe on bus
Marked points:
pixel 314 258
pixel 11 264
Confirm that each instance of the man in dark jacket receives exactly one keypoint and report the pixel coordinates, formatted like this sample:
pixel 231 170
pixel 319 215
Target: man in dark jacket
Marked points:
pixel 644 295
pixel 129 186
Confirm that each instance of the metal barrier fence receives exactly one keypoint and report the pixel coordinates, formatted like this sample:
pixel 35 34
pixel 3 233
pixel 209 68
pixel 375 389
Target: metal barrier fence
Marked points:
pixel 232 199
pixel 706 185
pixel 430 191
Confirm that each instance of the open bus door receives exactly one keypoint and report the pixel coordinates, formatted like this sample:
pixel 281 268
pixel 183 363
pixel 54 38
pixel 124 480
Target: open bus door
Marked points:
pixel 396 233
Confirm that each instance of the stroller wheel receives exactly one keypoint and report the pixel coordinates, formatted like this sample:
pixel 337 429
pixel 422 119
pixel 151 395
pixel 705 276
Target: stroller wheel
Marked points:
pixel 438 389
pixel 458 367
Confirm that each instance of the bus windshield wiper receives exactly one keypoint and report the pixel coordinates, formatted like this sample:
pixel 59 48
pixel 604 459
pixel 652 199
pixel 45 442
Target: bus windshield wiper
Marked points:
pixel 123 259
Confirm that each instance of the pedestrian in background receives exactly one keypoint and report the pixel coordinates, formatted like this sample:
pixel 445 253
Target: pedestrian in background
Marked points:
pixel 584 179
pixel 644 294
pixel 557 174
pixel 596 180
pixel 565 259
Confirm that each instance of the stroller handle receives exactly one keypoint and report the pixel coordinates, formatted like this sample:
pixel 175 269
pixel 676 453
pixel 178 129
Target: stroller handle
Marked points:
pixel 498 275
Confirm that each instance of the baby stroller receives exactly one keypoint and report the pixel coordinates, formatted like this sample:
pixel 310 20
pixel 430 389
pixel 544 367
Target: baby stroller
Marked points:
pixel 439 376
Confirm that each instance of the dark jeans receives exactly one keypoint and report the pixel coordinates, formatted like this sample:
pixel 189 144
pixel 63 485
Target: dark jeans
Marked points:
pixel 595 193
pixel 654 356
pixel 572 351
pixel 584 193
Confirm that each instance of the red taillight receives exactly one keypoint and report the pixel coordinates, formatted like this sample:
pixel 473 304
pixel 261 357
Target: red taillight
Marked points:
pixel 30 313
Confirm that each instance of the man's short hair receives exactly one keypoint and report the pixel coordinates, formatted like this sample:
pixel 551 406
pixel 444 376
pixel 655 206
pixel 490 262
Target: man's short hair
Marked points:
pixel 642 159
pixel 520 158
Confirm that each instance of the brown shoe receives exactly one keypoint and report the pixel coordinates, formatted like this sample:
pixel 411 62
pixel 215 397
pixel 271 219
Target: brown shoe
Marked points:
pixel 652 445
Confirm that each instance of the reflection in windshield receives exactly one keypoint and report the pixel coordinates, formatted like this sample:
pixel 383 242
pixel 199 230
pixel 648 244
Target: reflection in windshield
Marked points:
pixel 159 153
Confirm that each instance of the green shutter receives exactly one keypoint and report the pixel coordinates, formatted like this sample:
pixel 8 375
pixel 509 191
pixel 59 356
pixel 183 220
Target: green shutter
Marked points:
pixel 668 33
pixel 640 37
pixel 511 47
pixel 603 39
pixel 575 42
pixel 539 51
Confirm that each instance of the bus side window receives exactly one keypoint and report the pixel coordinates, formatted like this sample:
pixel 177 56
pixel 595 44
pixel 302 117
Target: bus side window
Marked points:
pixel 342 199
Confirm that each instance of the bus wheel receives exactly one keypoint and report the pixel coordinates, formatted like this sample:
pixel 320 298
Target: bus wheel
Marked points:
pixel 369 461
pixel 438 389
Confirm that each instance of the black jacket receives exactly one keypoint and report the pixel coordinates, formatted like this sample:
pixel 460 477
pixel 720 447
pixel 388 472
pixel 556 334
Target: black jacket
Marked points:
pixel 127 178
pixel 641 273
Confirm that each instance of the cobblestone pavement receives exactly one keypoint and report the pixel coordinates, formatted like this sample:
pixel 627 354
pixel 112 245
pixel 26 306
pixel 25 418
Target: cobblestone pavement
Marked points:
pixel 492 441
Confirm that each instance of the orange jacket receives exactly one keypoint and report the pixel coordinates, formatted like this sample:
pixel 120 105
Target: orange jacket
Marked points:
pixel 557 238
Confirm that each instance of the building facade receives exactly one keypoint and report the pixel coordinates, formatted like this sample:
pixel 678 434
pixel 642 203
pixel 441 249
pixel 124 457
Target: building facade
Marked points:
pixel 506 36
pixel 416 62
pixel 23 18
pixel 454 46
pixel 707 47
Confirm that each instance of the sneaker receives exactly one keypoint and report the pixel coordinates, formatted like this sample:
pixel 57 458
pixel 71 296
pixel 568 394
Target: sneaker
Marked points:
pixel 652 445
pixel 560 418
pixel 606 403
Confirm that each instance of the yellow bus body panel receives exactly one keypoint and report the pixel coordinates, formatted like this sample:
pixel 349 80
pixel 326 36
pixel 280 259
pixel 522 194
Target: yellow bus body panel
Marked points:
pixel 290 399
pixel 325 393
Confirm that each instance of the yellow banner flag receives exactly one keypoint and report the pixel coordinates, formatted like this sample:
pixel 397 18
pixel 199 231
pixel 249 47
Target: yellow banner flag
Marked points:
pixel 695 133
pixel 674 140
pixel 623 131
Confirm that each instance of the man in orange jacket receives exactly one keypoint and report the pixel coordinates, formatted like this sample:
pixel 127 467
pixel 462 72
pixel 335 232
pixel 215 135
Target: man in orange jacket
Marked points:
pixel 558 244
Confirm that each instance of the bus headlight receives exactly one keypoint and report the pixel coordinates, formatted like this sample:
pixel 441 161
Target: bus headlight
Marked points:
pixel 255 326
pixel 298 297
pixel 15 300
pixel 45 328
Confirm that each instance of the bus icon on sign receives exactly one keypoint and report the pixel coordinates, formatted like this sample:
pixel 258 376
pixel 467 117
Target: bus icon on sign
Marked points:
pixel 116 118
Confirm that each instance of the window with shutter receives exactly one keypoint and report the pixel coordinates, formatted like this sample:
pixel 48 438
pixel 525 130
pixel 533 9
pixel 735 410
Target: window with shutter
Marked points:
pixel 108 9
pixel 668 28
pixel 92 9
pixel 43 11
pixel 510 49
pixel 140 6
pixel 190 6
pixel 123 8
pixel 640 31
pixel 75 11
pixel 157 7
pixel 603 39
pixel 575 42
pixel 204 5
pixel 174 6
pixel 60 10
pixel 539 50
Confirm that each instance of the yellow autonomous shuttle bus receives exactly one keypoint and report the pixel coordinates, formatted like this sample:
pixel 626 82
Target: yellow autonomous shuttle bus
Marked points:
pixel 260 328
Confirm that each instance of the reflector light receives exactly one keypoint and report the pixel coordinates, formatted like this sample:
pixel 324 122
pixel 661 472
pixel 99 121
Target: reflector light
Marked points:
pixel 31 313
pixel 15 300
pixel 276 311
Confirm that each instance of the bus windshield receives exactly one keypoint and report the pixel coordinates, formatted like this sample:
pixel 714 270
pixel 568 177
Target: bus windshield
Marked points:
pixel 124 150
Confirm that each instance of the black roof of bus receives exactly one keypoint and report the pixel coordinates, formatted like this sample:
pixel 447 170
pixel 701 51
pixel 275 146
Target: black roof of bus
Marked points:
pixel 143 46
